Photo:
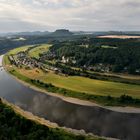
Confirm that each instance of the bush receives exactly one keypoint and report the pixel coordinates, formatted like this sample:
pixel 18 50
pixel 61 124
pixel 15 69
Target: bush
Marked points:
pixel 126 99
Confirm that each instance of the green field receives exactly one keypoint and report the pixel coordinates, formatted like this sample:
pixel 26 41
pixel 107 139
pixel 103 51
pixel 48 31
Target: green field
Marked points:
pixel 76 83
pixel 38 50
pixel 17 50
pixel 97 87
pixel 82 84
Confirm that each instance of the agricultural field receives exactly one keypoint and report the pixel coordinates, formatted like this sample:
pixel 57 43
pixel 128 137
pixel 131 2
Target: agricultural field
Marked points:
pixel 82 84
pixel 37 50
pixel 120 36
pixel 17 50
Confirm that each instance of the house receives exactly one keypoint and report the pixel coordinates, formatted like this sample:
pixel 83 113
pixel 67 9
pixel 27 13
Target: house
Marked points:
pixel 137 70
pixel 64 60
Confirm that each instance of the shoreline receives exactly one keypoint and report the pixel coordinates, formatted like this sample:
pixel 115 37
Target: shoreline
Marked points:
pixel 72 100
pixel 64 98
pixel 42 121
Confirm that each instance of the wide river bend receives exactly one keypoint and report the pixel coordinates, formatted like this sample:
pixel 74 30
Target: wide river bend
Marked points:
pixel 94 119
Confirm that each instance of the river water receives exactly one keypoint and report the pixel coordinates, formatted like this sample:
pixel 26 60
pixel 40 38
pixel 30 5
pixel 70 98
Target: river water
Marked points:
pixel 96 120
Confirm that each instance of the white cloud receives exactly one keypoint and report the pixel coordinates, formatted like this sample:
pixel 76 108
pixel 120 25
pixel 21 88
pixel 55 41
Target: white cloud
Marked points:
pixel 72 14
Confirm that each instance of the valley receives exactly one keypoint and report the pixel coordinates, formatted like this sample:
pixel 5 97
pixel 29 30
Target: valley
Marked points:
pixel 69 70
pixel 35 65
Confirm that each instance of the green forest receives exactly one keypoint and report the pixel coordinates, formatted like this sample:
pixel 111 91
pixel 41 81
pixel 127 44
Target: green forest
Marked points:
pixel 119 55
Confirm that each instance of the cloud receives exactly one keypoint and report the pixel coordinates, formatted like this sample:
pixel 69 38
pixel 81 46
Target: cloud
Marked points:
pixel 72 14
pixel 60 3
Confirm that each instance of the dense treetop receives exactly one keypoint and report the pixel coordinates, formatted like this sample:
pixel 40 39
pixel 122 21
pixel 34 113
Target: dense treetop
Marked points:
pixel 120 54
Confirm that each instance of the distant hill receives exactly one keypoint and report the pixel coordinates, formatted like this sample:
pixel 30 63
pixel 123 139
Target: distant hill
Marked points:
pixel 59 32
pixel 65 32
pixel 82 32
pixel 62 32
pixel 35 33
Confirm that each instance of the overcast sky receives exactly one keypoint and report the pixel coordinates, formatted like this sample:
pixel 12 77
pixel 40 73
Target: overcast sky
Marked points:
pixel 87 15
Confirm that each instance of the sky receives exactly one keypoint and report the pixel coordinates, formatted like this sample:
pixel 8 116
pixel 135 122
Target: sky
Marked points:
pixel 75 15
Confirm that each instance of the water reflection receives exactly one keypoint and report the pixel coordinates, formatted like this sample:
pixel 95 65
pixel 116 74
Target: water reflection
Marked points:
pixel 92 119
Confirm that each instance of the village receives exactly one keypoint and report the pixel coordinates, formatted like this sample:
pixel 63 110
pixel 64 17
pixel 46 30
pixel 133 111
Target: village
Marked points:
pixel 22 59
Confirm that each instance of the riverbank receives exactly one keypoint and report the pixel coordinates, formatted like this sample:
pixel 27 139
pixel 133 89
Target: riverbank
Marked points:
pixel 35 102
pixel 126 109
pixel 54 128
pixel 56 110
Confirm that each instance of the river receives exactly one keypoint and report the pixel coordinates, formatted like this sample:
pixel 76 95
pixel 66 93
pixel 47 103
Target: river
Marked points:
pixel 93 119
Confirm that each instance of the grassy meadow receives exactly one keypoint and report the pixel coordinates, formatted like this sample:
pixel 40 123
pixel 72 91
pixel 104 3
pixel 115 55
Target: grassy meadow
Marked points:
pixel 17 50
pixel 37 50
pixel 82 84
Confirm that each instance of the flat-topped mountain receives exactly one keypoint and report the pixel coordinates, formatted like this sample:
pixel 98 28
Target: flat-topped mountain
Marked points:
pixel 62 32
